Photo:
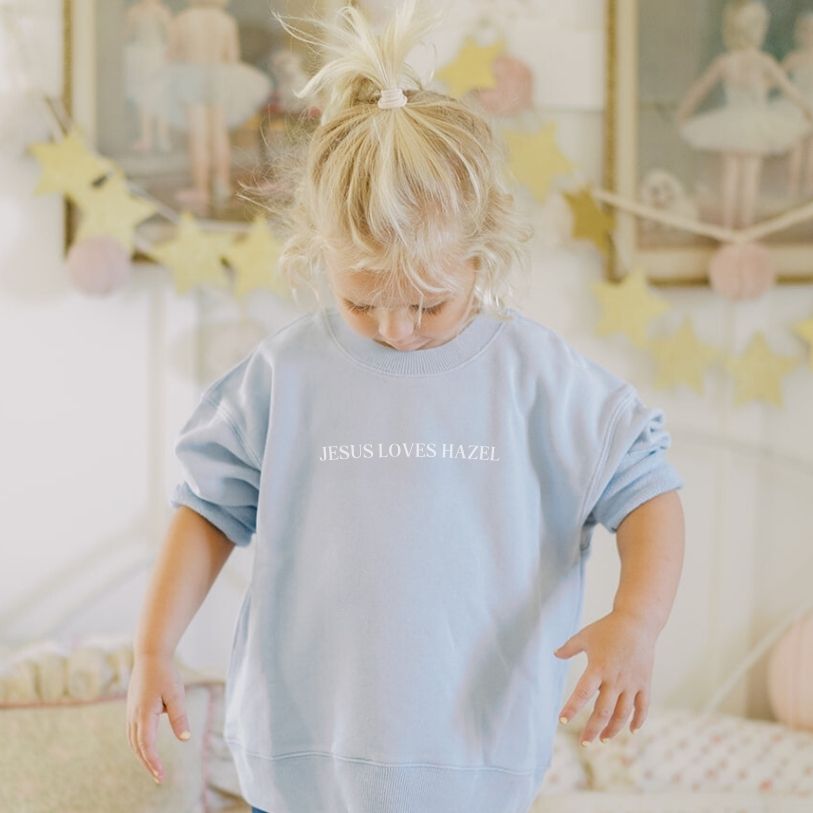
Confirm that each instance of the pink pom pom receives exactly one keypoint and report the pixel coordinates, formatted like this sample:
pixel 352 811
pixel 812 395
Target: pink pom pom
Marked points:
pixel 744 271
pixel 513 91
pixel 98 265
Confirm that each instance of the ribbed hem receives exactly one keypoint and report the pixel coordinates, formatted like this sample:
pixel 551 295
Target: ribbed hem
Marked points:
pixel 318 782
pixel 471 340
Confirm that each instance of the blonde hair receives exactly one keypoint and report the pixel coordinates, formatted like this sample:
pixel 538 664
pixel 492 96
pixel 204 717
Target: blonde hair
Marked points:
pixel 745 23
pixel 403 189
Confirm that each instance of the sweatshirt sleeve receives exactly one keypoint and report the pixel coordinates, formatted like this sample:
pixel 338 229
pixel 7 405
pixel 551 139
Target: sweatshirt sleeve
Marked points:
pixel 633 466
pixel 219 465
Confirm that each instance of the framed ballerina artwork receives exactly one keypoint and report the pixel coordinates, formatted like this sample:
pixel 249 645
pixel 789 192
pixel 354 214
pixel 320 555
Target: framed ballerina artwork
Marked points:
pixel 710 125
pixel 187 97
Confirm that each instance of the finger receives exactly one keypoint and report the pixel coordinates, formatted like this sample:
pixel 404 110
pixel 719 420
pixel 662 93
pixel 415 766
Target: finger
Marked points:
pixel 177 715
pixel 569 648
pixel 583 691
pixel 622 710
pixel 147 729
pixel 131 736
pixel 137 748
pixel 641 708
pixel 602 711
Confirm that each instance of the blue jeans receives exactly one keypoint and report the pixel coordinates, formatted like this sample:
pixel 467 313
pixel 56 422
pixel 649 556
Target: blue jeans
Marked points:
pixel 256 810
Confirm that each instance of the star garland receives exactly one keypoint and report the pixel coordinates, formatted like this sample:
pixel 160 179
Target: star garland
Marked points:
pixel 590 222
pixel 110 207
pixel 629 307
pixel 471 69
pixel 758 372
pixel 68 165
pixel 535 159
pixel 682 358
pixel 253 259
pixel 194 256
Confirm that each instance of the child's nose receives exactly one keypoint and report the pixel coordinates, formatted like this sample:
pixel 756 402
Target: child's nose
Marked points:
pixel 396 325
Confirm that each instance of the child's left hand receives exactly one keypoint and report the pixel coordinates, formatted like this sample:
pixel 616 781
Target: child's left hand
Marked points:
pixel 620 651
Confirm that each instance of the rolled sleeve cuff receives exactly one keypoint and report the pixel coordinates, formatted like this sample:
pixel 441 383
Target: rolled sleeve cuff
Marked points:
pixel 225 522
pixel 659 480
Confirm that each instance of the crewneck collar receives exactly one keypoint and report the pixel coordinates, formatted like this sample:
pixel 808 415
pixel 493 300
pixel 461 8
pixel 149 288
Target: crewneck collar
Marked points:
pixel 473 338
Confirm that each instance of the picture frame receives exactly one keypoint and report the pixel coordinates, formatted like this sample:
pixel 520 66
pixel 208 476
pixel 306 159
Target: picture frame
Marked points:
pixel 105 93
pixel 651 63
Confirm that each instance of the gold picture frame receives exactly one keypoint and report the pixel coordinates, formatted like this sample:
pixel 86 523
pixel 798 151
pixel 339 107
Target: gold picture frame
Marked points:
pixel 679 260
pixel 71 212
pixel 89 61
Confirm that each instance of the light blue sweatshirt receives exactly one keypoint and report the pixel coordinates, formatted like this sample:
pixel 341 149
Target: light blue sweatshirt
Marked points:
pixel 421 523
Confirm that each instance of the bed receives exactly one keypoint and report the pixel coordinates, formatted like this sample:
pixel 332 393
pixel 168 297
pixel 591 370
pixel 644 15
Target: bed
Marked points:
pixel 63 748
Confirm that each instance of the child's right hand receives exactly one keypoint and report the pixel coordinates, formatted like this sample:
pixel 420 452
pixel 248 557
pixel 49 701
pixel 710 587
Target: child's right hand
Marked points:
pixel 155 686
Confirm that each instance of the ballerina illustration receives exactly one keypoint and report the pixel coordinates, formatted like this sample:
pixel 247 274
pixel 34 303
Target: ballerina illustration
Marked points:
pixel 212 92
pixel 799 66
pixel 747 127
pixel 147 26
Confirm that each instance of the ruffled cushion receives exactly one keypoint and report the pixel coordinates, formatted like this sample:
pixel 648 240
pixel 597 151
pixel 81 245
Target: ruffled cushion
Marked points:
pixel 75 756
pixel 64 744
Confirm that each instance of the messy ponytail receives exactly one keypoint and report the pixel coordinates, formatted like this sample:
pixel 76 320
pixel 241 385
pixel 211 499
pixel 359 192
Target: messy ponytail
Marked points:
pixel 363 64
pixel 407 191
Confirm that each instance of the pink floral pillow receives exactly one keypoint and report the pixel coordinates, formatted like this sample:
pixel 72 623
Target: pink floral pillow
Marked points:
pixel 683 750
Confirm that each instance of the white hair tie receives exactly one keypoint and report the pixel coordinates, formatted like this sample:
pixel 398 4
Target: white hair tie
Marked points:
pixel 392 97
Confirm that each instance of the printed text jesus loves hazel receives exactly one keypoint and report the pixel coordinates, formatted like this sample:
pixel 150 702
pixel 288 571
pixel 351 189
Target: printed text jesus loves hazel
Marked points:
pixel 362 451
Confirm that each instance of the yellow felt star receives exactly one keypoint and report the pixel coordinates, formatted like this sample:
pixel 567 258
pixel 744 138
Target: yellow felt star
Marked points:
pixel 68 166
pixel 628 306
pixel 254 260
pixel 682 358
pixel 804 330
pixel 110 209
pixel 193 256
pixel 589 221
pixel 471 67
pixel 758 372
pixel 535 158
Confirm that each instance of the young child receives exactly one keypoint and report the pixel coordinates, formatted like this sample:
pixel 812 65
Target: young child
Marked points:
pixel 746 128
pixel 422 467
